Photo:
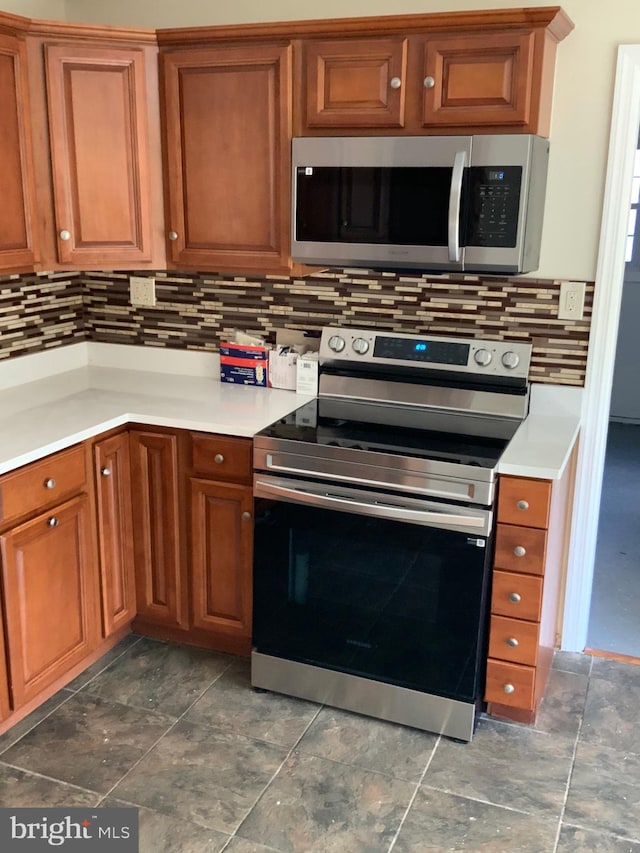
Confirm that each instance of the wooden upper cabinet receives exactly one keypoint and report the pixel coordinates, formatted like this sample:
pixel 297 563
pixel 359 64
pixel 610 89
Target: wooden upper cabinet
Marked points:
pixel 227 133
pixel 99 144
pixel 355 82
pixel 17 240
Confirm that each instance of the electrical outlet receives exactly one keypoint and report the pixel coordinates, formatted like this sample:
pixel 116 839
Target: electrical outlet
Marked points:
pixel 571 305
pixel 142 290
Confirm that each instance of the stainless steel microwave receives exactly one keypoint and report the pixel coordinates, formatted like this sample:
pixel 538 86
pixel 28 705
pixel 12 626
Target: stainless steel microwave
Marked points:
pixel 467 203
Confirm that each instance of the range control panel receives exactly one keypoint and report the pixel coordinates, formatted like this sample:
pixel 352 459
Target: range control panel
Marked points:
pixel 461 355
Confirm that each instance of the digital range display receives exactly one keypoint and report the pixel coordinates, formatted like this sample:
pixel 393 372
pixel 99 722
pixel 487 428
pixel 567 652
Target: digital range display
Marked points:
pixel 426 351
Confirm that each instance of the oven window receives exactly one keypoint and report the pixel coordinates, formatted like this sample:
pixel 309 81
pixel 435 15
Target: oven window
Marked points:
pixel 397 602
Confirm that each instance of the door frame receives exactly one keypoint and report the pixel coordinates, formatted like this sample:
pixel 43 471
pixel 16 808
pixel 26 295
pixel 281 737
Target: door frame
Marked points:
pixel 602 347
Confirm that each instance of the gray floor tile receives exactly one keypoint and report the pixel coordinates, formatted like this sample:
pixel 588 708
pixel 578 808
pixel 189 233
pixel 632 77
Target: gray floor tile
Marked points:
pixel 368 743
pixel 572 662
pixel 241 845
pixel 16 732
pixel 563 704
pixel 616 671
pixel 164 677
pixel 319 805
pixel 114 653
pixel 574 840
pixel 605 792
pixel 88 741
pixel 507 765
pixel 611 715
pixel 21 789
pixel 445 822
pixel 159 833
pixel 232 705
pixel 202 775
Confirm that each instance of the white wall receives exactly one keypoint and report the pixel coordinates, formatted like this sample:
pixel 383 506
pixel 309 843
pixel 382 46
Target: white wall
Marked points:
pixel 46 9
pixel 582 105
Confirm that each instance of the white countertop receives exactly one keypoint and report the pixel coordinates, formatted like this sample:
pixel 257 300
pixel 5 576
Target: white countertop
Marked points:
pixel 52 400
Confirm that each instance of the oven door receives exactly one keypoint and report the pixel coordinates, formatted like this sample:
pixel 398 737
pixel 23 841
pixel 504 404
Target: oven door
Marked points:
pixel 373 584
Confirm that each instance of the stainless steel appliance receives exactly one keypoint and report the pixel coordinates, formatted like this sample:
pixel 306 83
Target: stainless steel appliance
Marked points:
pixel 470 203
pixel 374 526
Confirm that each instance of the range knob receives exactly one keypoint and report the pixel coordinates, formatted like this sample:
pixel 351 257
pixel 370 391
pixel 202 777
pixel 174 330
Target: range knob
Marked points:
pixel 360 345
pixel 482 357
pixel 336 343
pixel 510 359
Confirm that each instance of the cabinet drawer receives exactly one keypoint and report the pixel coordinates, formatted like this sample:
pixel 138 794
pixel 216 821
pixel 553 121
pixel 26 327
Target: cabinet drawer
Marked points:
pixel 221 457
pixel 517 596
pixel 520 549
pixel 25 491
pixel 510 684
pixel 524 502
pixel 514 640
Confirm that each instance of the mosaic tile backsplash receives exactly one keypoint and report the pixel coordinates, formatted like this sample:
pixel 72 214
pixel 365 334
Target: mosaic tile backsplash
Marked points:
pixel 196 311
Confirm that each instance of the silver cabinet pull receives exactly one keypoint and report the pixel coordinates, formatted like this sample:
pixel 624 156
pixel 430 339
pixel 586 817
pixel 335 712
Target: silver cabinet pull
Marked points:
pixel 429 82
pixel 173 235
pixel 519 551
pixel 523 505
pixel 53 521
pixel 515 597
pixel 50 483
pixel 395 82
pixel 106 472
pixel 509 688
pixel 65 235
pixel 218 458
pixel 246 516
pixel 512 642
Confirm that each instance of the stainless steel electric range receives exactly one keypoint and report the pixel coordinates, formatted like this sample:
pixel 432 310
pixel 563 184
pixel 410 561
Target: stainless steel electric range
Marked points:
pixel 374 526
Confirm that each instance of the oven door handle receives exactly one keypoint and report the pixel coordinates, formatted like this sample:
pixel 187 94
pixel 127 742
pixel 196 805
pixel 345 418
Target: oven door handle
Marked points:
pixel 380 509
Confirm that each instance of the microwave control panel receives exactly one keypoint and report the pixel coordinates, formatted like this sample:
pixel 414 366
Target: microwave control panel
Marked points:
pixel 494 200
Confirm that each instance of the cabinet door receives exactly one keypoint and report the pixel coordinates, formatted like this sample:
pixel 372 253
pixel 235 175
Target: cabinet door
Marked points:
pixel 478 79
pixel 115 528
pixel 222 559
pixel 97 112
pixel 51 596
pixel 17 248
pixel 355 82
pixel 160 577
pixel 227 123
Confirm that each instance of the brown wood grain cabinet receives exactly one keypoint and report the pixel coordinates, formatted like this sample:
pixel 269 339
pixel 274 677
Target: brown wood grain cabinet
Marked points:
pixel 49 577
pixel 115 531
pixel 18 241
pixel 227 131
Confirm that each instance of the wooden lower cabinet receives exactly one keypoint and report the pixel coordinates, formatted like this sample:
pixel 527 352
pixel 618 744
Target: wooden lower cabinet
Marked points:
pixel 221 561
pixel 51 595
pixel 115 532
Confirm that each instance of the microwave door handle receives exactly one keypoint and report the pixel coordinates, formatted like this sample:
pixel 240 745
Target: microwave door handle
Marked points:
pixel 455 198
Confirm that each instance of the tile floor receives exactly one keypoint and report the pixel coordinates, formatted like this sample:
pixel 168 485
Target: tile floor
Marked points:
pixel 213 765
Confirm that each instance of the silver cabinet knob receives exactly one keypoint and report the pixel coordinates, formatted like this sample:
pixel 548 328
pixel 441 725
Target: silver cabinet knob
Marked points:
pixel 65 235
pixel 50 483
pixel 523 505
pixel 515 597
pixel 519 551
pixel 173 235
pixel 106 472
pixel 509 688
pixel 512 642
pixel 395 82
pixel 246 516
pixel 218 458
pixel 53 521
pixel 429 82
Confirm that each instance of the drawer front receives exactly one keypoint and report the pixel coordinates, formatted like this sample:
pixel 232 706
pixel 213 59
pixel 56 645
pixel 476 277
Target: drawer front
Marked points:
pixel 42 483
pixel 517 596
pixel 510 684
pixel 520 549
pixel 524 502
pixel 222 457
pixel 514 640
